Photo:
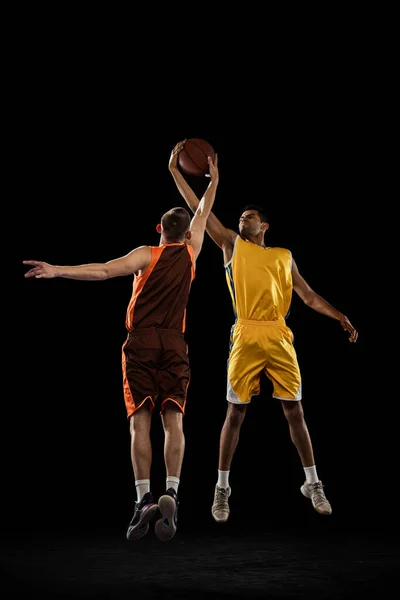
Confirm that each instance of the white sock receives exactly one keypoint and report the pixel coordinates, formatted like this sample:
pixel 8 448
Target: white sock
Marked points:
pixel 223 479
pixel 311 474
pixel 142 487
pixel 172 482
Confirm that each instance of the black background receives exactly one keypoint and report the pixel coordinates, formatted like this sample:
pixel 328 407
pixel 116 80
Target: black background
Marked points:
pixel 92 202
pixel 90 154
pixel 298 104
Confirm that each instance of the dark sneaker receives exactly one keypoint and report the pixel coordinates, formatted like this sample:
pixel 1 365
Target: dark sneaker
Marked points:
pixel 145 511
pixel 165 528
pixel 315 491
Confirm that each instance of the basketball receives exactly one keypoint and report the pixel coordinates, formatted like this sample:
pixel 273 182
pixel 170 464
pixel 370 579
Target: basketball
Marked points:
pixel 192 159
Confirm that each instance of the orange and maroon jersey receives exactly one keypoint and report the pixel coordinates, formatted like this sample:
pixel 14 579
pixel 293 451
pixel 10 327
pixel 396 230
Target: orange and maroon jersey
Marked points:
pixel 160 294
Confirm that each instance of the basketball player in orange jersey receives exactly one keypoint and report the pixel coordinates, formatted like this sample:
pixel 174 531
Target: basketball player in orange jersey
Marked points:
pixel 155 361
pixel 261 280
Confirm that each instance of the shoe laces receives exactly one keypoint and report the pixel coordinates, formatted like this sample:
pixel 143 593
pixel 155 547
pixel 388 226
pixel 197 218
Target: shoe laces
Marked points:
pixel 318 492
pixel 221 499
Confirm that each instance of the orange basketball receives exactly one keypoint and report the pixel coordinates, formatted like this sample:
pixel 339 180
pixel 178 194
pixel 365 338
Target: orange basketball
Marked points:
pixel 193 158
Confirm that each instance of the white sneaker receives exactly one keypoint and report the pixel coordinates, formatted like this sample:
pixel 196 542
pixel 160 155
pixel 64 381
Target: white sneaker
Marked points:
pixel 315 491
pixel 220 508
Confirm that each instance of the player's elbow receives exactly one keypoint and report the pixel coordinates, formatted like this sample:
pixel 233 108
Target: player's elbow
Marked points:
pixel 201 215
pixel 103 275
pixel 309 299
pixel 106 272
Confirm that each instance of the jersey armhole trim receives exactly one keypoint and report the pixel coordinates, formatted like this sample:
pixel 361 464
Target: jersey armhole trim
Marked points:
pixel 233 252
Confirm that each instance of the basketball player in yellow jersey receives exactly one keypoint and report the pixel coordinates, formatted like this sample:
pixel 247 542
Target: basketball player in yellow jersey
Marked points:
pixel 261 280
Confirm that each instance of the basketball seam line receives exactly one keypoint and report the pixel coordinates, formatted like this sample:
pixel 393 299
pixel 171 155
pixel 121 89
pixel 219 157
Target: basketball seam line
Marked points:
pixel 200 148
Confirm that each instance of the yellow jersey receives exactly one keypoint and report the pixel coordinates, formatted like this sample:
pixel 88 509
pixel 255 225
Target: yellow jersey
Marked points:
pixel 260 281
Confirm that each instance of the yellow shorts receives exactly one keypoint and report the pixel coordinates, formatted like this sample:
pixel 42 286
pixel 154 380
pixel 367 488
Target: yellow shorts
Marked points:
pixel 262 346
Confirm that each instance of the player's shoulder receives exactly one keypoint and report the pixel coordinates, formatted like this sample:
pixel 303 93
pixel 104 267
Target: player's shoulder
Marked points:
pixel 149 251
pixel 145 249
pixel 281 250
pixel 282 253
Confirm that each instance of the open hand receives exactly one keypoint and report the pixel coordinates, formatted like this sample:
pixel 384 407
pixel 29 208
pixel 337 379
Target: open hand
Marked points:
pixel 173 159
pixel 40 270
pixel 213 168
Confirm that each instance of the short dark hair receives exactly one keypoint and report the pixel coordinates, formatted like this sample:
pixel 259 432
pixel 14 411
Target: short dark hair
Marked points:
pixel 175 223
pixel 259 209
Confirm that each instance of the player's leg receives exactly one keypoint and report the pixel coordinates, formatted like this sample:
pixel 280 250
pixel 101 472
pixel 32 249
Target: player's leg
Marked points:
pixel 299 434
pixel 141 450
pixel 174 449
pixel 230 432
pixel 243 381
pixel 174 377
pixel 284 372
pixel 141 456
pixel 174 440
pixel 140 391
pixel 229 439
pixel 312 487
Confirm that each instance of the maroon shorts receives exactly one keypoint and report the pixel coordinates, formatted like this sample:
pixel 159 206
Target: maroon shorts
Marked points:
pixel 155 366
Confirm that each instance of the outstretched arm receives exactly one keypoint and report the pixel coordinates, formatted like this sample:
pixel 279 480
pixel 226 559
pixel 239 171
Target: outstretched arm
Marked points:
pixel 199 221
pixel 220 234
pixel 317 303
pixel 137 260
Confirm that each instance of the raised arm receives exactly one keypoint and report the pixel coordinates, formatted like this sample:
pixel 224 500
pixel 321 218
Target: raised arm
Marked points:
pixel 134 262
pixel 202 212
pixel 317 303
pixel 218 233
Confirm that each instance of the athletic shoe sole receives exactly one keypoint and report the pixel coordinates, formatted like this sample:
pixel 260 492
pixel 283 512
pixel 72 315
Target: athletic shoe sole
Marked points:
pixel 139 530
pixel 165 527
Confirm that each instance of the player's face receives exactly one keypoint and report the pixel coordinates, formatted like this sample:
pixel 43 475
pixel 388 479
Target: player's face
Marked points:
pixel 250 223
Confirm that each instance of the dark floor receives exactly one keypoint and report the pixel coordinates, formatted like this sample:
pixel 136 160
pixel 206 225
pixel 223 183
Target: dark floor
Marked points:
pixel 315 559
